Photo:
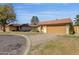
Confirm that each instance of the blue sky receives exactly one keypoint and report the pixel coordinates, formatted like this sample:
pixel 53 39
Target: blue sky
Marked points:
pixel 44 11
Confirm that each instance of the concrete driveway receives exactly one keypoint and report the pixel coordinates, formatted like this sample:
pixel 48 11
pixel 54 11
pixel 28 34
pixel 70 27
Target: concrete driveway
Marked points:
pixel 41 38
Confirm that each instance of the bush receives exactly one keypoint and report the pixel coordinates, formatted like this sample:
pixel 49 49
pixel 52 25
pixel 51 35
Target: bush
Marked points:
pixel 34 30
pixel 71 29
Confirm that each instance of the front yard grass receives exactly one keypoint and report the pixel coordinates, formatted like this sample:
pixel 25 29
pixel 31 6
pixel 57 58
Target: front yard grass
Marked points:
pixel 63 45
pixel 22 33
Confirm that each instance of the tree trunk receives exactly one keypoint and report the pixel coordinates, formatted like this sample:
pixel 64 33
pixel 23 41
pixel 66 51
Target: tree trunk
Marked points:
pixel 4 29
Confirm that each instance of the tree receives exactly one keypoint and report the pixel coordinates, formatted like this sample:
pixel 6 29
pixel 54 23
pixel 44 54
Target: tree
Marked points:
pixel 34 23
pixel 34 20
pixel 77 20
pixel 7 15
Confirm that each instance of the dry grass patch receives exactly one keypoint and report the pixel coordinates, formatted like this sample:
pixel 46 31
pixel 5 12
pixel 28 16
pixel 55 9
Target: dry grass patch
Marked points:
pixel 63 45
pixel 22 33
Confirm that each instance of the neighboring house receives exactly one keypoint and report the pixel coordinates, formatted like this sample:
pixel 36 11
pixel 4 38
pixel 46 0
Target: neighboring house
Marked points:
pixel 25 27
pixel 13 27
pixel 18 27
pixel 59 26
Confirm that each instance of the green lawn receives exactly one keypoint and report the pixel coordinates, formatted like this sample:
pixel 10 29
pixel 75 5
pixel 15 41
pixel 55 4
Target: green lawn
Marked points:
pixel 63 45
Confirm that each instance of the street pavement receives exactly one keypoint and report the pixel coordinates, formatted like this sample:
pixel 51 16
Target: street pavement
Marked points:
pixel 12 44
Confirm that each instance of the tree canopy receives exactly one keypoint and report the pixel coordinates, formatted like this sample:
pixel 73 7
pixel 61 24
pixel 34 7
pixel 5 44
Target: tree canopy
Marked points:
pixel 7 15
pixel 77 20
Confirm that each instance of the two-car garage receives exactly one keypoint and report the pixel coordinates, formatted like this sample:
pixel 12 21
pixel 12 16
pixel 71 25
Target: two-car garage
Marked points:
pixel 57 29
pixel 56 26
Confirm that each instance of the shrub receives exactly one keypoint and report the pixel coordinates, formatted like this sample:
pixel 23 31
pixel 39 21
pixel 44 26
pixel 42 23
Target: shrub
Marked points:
pixel 34 30
pixel 71 29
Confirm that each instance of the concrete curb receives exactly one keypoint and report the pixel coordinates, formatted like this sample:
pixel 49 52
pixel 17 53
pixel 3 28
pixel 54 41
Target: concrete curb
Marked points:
pixel 28 43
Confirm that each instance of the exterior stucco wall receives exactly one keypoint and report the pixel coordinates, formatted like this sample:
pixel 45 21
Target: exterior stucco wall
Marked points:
pixel 39 28
pixel 42 29
pixel 7 28
pixel 76 28
pixel 10 28
pixel 67 29
pixel 13 28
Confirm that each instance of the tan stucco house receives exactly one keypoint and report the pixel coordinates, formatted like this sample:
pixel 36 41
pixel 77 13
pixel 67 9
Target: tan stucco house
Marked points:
pixel 59 26
pixel 18 27
pixel 13 27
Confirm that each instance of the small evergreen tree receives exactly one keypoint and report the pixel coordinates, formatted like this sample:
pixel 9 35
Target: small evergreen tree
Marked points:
pixel 34 20
pixel 77 20
pixel 71 29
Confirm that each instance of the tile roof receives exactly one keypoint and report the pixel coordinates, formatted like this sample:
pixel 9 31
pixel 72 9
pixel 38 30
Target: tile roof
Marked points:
pixel 14 25
pixel 56 22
